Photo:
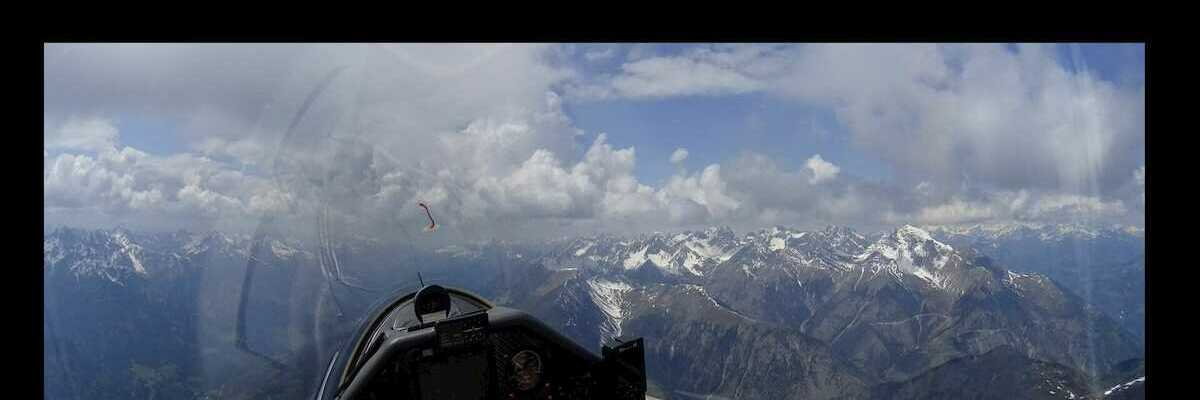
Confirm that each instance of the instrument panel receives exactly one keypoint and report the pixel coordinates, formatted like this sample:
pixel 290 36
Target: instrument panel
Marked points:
pixel 506 364
pixel 441 343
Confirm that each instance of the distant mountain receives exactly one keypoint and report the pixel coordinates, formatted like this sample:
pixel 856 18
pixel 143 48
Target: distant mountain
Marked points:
pixel 686 256
pixel 775 313
pixel 1002 373
pixel 1104 265
pixel 153 315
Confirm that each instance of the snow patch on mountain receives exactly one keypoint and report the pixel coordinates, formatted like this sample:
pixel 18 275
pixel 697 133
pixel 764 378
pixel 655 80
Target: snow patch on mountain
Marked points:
pixel 661 259
pixel 636 259
pixel 609 297
pixel 716 243
pixel 699 290
pixel 690 262
pixel 1124 386
pixel 777 244
pixel 583 250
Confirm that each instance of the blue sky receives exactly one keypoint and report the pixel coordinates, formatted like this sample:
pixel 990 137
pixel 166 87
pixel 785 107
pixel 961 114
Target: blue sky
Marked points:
pixel 150 134
pixel 871 135
pixel 714 129
pixel 717 129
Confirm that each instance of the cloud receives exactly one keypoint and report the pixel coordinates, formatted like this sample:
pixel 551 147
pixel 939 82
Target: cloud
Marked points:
pixel 695 74
pixel 76 181
pixel 699 71
pixel 480 132
pixel 970 121
pixel 1139 176
pixel 85 134
pixel 771 194
pixel 397 94
pixel 598 55
pixel 663 77
pixel 821 170
pixel 1021 205
pixel 140 189
pixel 1075 207
pixel 947 113
pixel 1011 119
pixel 395 122
pixel 679 155
pixel 707 189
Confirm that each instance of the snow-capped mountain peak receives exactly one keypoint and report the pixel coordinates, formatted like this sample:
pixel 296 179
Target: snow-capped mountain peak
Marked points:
pixel 910 250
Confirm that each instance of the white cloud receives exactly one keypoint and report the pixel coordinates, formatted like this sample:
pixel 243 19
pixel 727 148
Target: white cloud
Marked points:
pixel 679 155
pixel 77 181
pixel 543 187
pixel 1020 205
pixel 639 51
pixel 937 113
pixel 136 188
pixel 540 187
pixel 707 189
pixel 668 76
pixel 821 170
pixel 955 211
pixel 1011 119
pixel 699 71
pixel 770 194
pixel 1075 207
pixel 207 202
pixel 85 134
pixel 598 55
pixel 481 133
pixel 246 150
pixel 1139 176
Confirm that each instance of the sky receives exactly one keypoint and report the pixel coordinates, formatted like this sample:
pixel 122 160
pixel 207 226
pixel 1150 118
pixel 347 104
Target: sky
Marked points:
pixel 508 141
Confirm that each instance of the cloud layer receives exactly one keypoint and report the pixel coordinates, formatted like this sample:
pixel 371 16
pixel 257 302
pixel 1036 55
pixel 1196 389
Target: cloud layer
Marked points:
pixel 971 133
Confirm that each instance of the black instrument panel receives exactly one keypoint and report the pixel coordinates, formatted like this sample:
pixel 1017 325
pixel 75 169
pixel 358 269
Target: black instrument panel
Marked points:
pixel 444 343
pixel 505 364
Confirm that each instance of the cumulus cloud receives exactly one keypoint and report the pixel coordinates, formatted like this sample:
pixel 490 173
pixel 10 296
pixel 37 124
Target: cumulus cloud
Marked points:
pixel 707 189
pixel 136 188
pixel 480 132
pixel 1013 119
pixel 963 122
pixel 82 181
pixel 679 155
pixel 821 170
pixel 771 194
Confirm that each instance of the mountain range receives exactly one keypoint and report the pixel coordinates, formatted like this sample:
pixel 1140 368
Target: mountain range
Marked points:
pixel 913 312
